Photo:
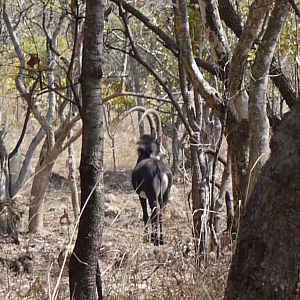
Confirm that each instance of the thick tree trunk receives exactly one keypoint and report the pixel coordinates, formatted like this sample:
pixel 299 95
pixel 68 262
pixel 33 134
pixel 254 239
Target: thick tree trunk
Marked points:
pixel 238 134
pixel 84 272
pixel 238 148
pixel 266 261
pixel 259 126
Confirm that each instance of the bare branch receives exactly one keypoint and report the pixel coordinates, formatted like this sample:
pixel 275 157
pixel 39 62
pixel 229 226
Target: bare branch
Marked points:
pixel 209 94
pixel 71 140
pixel 131 94
pixel 237 66
pixel 294 6
pixel 215 34
pixel 137 56
pixel 233 21
pixel 168 41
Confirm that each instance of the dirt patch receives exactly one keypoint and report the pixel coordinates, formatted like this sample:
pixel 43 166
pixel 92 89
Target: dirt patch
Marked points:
pixel 131 269
pixel 117 181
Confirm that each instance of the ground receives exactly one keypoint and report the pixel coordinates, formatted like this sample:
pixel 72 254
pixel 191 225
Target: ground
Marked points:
pixel 32 266
pixel 131 269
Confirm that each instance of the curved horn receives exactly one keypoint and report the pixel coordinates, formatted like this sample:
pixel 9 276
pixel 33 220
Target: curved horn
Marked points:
pixel 158 124
pixel 141 109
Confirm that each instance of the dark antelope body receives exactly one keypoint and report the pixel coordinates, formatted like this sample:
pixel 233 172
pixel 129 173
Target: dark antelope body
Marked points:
pixel 151 178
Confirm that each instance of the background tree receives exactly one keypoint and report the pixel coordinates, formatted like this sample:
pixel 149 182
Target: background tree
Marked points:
pixel 85 282
pixel 38 75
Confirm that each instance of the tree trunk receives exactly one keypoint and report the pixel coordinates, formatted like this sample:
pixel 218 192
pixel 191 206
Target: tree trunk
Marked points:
pixel 238 148
pixel 26 162
pixel 176 144
pixel 137 88
pixel 259 126
pixel 38 189
pixel 4 176
pixel 224 188
pixel 269 229
pixel 84 272
pixel 73 181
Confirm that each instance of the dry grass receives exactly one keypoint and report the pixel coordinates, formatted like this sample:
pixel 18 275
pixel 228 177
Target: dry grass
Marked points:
pixel 130 268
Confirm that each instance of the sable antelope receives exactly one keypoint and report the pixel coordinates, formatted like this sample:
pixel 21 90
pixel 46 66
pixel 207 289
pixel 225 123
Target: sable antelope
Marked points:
pixel 151 178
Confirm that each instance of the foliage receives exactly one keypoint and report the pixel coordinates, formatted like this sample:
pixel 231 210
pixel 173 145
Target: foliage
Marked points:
pixel 120 104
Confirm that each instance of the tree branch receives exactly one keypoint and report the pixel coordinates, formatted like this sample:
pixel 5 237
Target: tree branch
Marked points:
pixel 281 81
pixel 135 54
pixel 168 41
pixel 294 6
pixel 209 94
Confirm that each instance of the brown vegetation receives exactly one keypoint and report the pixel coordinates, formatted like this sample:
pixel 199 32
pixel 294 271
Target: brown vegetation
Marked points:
pixel 130 268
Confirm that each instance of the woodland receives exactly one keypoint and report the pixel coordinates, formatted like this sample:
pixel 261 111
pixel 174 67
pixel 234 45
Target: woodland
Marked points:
pixel 223 76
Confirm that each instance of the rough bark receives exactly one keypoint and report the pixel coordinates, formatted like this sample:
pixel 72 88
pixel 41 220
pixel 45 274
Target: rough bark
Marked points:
pixel 283 84
pixel 231 18
pixel 84 273
pixel 266 261
pixel 215 33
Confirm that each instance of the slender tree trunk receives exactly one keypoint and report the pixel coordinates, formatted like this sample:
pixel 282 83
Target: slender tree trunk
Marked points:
pixel 26 163
pixel 46 162
pixel 47 159
pixel 266 261
pixel 4 176
pixel 38 189
pixel 137 89
pixel 219 204
pixel 73 181
pixel 176 145
pixel 84 272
